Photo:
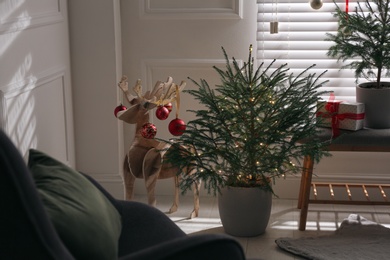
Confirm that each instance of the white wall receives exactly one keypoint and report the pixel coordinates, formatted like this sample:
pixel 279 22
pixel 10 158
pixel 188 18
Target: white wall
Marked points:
pixel 96 68
pixel 181 38
pixel 35 85
pixel 160 38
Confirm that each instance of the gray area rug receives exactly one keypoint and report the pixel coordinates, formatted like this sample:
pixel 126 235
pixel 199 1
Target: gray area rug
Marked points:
pixel 357 238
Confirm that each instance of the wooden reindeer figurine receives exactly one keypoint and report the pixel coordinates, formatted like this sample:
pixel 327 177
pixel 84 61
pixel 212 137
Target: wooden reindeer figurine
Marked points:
pixel 145 158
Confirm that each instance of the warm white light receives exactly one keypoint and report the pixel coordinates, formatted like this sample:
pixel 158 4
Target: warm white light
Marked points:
pixel 310 225
pixel 196 224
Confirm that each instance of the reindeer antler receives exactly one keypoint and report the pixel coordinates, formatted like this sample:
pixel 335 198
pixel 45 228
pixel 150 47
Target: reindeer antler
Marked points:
pixel 168 92
pixel 124 85
pixel 138 89
pixel 161 94
pixel 155 95
pixel 171 93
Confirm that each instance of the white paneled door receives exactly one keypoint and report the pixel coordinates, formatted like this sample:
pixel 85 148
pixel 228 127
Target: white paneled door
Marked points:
pixel 35 87
pixel 181 38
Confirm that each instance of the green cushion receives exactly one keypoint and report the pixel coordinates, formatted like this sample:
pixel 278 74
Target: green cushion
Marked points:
pixel 86 221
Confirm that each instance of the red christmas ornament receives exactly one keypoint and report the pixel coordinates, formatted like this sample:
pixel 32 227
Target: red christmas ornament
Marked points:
pixel 149 130
pixel 169 107
pixel 162 112
pixel 119 108
pixel 177 127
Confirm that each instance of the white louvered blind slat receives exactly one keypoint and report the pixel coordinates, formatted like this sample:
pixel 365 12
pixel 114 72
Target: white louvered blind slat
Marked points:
pixel 301 40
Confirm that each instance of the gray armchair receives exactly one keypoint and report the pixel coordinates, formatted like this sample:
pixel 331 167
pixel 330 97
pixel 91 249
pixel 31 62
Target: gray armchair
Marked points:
pixel 28 232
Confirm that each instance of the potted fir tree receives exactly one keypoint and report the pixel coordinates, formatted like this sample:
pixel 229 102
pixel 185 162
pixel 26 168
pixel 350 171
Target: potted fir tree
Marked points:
pixel 362 40
pixel 248 134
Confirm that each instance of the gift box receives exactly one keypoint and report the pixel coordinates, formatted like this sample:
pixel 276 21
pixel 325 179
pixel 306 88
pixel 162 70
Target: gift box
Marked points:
pixel 339 114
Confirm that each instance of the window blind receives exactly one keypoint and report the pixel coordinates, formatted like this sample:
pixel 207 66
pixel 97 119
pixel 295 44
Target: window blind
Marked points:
pixel 300 41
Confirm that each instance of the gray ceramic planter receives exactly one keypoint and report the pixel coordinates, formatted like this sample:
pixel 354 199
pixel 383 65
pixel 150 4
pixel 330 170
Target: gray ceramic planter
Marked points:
pixel 377 105
pixel 244 212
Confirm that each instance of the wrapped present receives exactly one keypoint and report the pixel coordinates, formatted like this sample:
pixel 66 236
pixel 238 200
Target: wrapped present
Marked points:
pixel 339 114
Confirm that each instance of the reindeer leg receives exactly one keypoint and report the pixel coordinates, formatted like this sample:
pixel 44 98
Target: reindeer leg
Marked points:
pixel 150 184
pixel 195 212
pixel 175 204
pixel 129 179
pixel 151 169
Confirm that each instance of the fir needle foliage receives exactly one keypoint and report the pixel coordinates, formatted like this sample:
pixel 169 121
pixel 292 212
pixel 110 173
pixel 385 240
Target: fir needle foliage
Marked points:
pixel 363 37
pixel 249 132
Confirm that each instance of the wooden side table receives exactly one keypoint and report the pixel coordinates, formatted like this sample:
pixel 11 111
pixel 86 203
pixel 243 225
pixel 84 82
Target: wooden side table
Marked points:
pixel 365 140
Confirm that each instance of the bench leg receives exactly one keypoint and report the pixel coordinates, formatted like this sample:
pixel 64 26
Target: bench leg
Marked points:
pixel 302 186
pixel 304 191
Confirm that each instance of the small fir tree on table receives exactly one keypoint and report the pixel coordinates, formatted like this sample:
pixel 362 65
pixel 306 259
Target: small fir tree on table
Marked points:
pixel 251 128
pixel 363 39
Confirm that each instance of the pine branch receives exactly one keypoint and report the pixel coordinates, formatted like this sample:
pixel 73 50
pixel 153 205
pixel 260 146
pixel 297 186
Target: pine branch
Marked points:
pixel 250 130
pixel 363 35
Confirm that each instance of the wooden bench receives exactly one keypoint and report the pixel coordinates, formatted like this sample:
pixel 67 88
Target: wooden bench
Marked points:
pixel 365 140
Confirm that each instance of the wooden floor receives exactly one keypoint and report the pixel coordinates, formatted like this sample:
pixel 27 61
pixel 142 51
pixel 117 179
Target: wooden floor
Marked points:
pixel 322 220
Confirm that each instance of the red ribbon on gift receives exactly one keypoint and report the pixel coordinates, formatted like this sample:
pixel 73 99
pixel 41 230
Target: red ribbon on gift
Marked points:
pixel 333 111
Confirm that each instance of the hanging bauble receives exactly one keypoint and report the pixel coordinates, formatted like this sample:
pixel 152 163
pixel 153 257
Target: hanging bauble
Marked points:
pixel 177 127
pixel 162 112
pixel 148 130
pixel 118 109
pixel 345 30
pixel 169 107
pixel 316 4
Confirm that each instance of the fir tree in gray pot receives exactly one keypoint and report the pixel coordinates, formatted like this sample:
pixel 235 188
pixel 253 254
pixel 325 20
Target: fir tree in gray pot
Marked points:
pixel 362 40
pixel 250 130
